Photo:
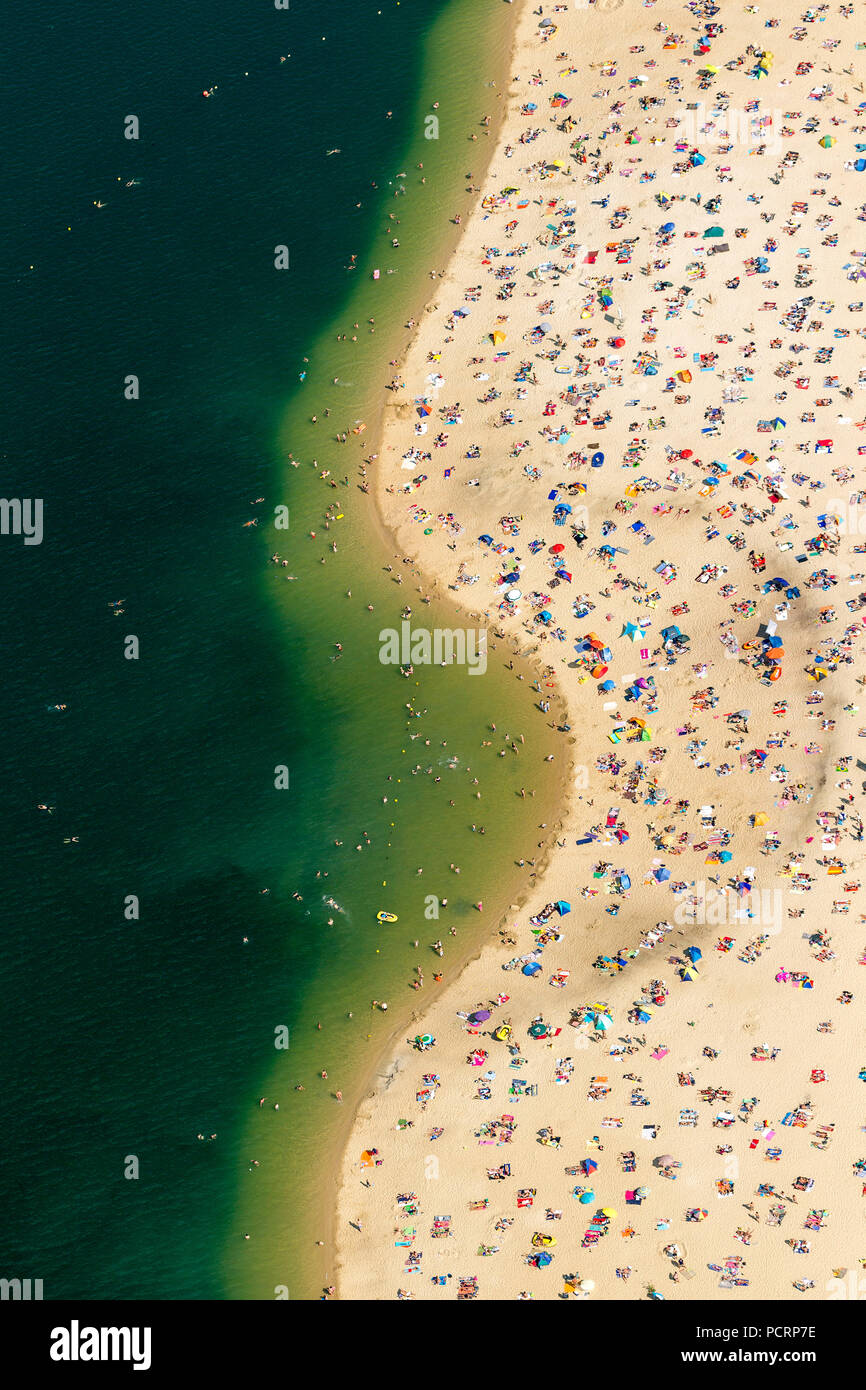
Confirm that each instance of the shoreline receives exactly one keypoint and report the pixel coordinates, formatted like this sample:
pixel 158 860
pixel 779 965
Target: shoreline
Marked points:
pixel 480 971
pixel 376 536
pixel 379 1068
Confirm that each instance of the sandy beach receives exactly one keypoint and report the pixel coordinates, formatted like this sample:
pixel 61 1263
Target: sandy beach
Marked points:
pixel 627 436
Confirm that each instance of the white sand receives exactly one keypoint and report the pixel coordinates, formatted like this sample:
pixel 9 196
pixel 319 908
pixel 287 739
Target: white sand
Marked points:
pixel 734 1005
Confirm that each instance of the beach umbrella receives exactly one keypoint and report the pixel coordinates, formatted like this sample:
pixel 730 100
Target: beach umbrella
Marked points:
pixel 827 142
pixel 513 594
pixel 607 685
pixel 664 1160
pixel 725 856
pixel 585 1198
pixel 532 968
pixel 609 1212
pixel 586 1285
pixel 668 226
pixel 597 460
pixel 661 874
pixel 760 818
pixel 555 549
pixel 542 1259
pixel 641 1192
pixel 480 1016
pixel 602 1023
pixel 589 1165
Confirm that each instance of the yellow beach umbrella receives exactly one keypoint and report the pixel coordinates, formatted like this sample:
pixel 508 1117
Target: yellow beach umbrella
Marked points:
pixel 609 1212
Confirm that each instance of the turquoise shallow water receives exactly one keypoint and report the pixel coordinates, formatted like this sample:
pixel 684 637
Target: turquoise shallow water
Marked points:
pixel 129 1038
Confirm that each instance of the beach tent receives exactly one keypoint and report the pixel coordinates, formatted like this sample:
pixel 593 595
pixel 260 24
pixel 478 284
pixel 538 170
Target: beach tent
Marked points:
pixel 661 874
pixel 689 973
pixel 694 953
pixel 563 907
pixel 497 337
pixel 480 1016
pixel 633 631
pixel 532 968
pixel 714 231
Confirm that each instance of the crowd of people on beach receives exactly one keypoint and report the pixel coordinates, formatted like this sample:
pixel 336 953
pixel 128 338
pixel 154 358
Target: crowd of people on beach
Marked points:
pixel 657 307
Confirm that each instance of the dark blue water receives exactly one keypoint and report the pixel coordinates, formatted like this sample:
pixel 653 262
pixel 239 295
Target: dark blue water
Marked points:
pixel 124 1038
